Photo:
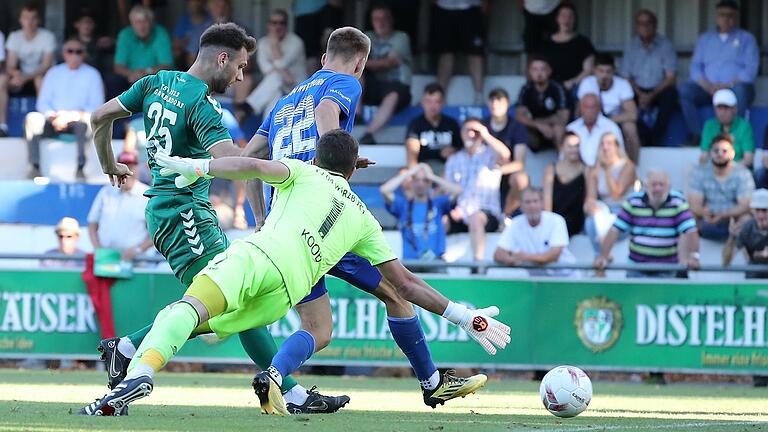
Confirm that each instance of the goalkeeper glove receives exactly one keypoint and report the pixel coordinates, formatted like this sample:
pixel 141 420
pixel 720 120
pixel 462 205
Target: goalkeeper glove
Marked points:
pixel 479 325
pixel 189 170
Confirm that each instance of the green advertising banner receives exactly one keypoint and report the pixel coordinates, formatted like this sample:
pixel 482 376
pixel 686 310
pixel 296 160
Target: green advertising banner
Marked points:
pixel 623 325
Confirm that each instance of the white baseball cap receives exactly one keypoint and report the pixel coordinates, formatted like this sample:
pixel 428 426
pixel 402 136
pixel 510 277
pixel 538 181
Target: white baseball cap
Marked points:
pixel 759 199
pixel 724 97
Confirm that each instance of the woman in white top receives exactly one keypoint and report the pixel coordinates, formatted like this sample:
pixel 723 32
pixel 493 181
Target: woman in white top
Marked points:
pixel 609 182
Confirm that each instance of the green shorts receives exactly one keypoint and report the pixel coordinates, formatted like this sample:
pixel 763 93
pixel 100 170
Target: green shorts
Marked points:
pixel 185 231
pixel 253 287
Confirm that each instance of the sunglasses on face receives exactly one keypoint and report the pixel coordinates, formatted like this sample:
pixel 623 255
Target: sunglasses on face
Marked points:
pixel 74 51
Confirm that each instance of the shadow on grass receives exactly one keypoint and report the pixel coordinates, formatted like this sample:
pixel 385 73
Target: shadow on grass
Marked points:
pixel 58 417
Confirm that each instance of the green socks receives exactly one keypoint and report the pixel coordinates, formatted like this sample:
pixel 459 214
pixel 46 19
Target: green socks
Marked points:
pixel 261 348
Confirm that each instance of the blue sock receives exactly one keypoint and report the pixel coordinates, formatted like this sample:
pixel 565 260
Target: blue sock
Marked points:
pixel 297 349
pixel 409 336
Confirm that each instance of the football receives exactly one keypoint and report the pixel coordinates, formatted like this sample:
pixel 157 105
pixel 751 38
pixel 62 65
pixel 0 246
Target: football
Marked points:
pixel 566 391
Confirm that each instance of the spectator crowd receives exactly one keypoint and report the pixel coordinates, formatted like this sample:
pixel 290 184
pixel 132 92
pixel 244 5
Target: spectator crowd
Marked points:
pixel 462 174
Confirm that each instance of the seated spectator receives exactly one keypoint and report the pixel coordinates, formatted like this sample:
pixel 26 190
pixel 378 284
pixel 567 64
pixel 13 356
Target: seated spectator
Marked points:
pixel 617 100
pixel 726 57
pixel 432 137
pixel 726 121
pixel 187 32
pixel 609 184
pixel 538 23
pixel 68 233
pixel 542 106
pixel 476 169
pixel 650 64
pixel 99 50
pixel 591 127
pixel 565 185
pixel 70 92
pixel 280 56
pixel 143 48
pixel 513 135
pixel 535 237
pixel 458 27
pixel 570 54
pixel 387 72
pixel 116 219
pixel 720 191
pixel 29 56
pixel 655 220
pixel 420 215
pixel 753 235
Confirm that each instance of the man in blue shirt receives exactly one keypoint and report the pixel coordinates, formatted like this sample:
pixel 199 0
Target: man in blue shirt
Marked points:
pixel 420 213
pixel 726 57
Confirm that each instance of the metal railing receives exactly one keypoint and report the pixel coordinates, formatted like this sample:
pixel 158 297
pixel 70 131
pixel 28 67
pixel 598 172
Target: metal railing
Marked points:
pixel 480 267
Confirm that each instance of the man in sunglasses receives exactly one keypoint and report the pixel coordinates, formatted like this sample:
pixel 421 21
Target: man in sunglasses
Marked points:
pixel 69 93
pixel 720 191
pixel 281 59
pixel 68 233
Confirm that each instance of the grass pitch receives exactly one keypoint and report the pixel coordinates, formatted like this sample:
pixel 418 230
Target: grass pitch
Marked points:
pixel 46 401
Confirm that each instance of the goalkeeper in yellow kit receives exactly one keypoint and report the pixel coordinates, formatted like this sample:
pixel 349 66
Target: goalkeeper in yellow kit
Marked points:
pixel 315 220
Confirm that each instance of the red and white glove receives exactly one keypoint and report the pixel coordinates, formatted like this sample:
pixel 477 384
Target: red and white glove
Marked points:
pixel 188 170
pixel 479 324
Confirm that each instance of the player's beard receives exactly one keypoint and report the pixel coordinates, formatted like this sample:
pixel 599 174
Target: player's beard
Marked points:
pixel 220 84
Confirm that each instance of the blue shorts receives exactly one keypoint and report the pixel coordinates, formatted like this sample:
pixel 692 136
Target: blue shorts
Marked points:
pixel 355 270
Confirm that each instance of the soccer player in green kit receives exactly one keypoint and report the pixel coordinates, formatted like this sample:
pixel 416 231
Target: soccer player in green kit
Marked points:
pixel 315 220
pixel 182 119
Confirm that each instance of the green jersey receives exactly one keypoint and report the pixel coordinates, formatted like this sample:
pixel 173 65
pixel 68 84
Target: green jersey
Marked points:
pixel 180 119
pixel 315 220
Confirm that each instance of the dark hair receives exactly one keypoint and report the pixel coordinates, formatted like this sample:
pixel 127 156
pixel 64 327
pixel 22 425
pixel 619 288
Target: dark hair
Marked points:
pixel 649 14
pixel 533 189
pixel 32 6
pixel 434 87
pixel 337 151
pixel 348 42
pixel 567 5
pixel 227 35
pixel 498 93
pixel 605 59
pixel 571 134
pixel 730 4
pixel 538 57
pixel 722 137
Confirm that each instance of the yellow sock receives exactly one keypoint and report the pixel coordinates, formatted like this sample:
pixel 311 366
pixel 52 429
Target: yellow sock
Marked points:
pixel 153 359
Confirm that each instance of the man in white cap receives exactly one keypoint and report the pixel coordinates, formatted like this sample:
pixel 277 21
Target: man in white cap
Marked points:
pixel 727 120
pixel 68 232
pixel 753 235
